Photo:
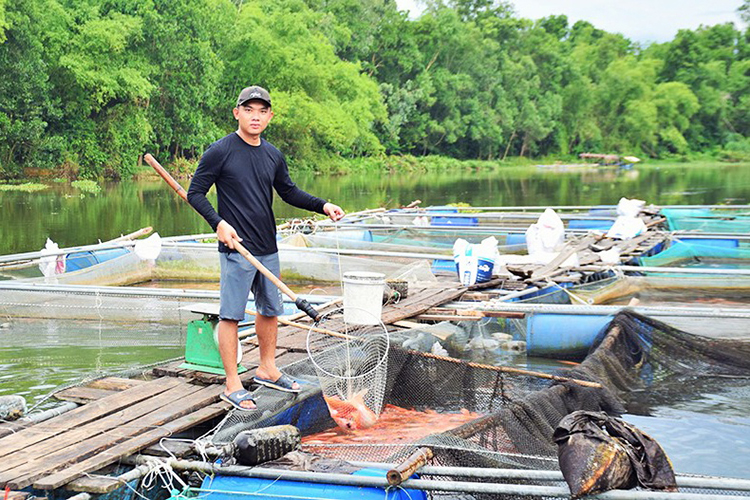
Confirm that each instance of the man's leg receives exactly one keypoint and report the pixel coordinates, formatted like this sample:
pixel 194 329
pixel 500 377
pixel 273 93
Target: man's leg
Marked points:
pixel 236 275
pixel 228 351
pixel 266 328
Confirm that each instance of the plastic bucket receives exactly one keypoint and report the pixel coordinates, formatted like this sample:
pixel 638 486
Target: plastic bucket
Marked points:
pixel 363 297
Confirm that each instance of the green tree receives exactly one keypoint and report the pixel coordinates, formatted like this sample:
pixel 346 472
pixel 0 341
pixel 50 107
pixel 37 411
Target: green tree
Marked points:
pixel 34 32
pixel 325 107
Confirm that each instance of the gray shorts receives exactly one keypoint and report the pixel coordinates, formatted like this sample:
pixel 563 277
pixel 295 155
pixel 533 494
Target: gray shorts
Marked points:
pixel 239 277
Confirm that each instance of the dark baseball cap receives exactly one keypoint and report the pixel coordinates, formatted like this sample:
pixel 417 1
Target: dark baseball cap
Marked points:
pixel 254 92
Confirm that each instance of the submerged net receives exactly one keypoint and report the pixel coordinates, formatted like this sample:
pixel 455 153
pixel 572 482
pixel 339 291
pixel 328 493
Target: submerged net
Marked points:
pixel 505 418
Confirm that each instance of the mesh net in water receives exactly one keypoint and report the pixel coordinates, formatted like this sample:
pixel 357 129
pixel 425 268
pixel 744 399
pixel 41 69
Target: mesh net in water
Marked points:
pixel 351 363
pixel 509 416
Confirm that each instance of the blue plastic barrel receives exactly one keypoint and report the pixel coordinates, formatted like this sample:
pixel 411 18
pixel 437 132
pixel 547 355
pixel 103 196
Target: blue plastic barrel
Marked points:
pixel 601 225
pixel 444 266
pixel 442 210
pixel 232 488
pixel 515 239
pixel 603 211
pixel 562 336
pixel 82 260
pixel 713 242
pixel 445 220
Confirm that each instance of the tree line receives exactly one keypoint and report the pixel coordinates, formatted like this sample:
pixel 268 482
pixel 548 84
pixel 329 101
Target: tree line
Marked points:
pixel 90 85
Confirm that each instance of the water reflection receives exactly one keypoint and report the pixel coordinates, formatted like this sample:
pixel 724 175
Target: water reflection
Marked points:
pixel 71 218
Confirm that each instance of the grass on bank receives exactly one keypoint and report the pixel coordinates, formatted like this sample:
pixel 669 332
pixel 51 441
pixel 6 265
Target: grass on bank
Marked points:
pixel 26 187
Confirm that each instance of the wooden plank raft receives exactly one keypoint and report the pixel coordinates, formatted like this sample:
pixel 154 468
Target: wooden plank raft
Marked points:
pixel 53 453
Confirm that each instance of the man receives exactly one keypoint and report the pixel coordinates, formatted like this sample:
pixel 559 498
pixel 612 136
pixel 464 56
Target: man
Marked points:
pixel 245 169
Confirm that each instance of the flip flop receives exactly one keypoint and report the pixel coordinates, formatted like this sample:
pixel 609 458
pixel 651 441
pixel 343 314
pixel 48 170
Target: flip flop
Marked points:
pixel 283 383
pixel 237 397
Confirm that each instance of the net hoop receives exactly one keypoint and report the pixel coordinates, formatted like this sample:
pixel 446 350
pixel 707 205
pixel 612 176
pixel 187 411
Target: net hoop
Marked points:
pixel 377 332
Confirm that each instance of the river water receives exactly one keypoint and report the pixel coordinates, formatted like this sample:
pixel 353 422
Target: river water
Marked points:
pixel 707 434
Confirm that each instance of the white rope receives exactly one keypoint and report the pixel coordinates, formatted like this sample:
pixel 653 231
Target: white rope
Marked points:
pixel 162 470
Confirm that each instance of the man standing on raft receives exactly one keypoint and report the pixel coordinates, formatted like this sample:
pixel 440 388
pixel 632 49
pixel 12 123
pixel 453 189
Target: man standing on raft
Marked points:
pixel 245 168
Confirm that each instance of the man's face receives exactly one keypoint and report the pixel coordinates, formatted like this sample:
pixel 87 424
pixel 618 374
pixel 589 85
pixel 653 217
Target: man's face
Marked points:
pixel 253 117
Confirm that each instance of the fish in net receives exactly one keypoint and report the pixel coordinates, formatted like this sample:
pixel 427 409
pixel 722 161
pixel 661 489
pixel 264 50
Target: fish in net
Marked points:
pixel 509 418
pixel 351 363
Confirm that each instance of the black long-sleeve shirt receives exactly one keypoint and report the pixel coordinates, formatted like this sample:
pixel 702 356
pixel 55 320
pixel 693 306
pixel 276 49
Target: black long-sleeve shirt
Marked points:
pixel 245 176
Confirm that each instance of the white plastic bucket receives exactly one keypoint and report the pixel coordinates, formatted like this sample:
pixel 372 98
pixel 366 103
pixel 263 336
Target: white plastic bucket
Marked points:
pixel 363 297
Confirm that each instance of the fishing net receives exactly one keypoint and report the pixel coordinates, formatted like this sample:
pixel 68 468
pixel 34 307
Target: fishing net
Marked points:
pixel 706 220
pixel 475 416
pixel 351 363
pixel 724 253
pixel 110 304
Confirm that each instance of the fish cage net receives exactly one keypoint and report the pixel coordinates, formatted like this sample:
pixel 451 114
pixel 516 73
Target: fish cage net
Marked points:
pixel 100 304
pixel 501 417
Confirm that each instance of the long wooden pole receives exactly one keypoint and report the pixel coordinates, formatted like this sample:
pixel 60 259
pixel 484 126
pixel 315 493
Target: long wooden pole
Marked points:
pixel 301 303
pixel 505 369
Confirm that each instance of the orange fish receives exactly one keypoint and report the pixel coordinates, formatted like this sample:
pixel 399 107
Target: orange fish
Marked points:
pixel 351 414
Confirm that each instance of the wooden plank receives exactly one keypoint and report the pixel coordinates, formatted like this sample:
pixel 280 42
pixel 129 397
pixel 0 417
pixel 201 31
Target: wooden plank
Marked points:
pixel 291 357
pixel 133 445
pixel 170 370
pixel 419 303
pixel 564 255
pixel 16 495
pixel 115 383
pixel 445 317
pixel 35 470
pixel 8 428
pixel 82 394
pixel 95 484
pixel 178 449
pixel 33 454
pixel 80 416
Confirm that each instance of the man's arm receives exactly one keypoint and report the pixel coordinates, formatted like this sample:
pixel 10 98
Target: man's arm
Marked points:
pixel 293 195
pixel 205 176
pixel 209 168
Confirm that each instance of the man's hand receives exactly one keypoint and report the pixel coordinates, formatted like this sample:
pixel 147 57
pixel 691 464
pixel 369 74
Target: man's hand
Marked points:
pixel 227 235
pixel 335 212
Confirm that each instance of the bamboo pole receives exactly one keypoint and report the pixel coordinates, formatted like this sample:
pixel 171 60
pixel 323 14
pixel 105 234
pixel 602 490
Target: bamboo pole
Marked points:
pixel 505 369
pixel 408 467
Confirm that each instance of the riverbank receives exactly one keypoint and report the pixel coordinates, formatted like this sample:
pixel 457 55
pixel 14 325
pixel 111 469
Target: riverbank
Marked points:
pixel 184 168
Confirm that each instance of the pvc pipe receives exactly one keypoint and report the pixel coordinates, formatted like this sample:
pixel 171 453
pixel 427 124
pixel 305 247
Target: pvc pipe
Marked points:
pixel 688 312
pixel 462 229
pixel 427 485
pixel 489 215
pixel 64 251
pixel 124 291
pixel 709 236
pixel 519 293
pixel 35 418
pixel 587 207
pixel 113 245
pixel 683 481
pixel 682 270
pixel 343 251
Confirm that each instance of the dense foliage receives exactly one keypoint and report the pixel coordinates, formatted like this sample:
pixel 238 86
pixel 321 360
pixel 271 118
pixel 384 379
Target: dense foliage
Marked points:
pixel 90 85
